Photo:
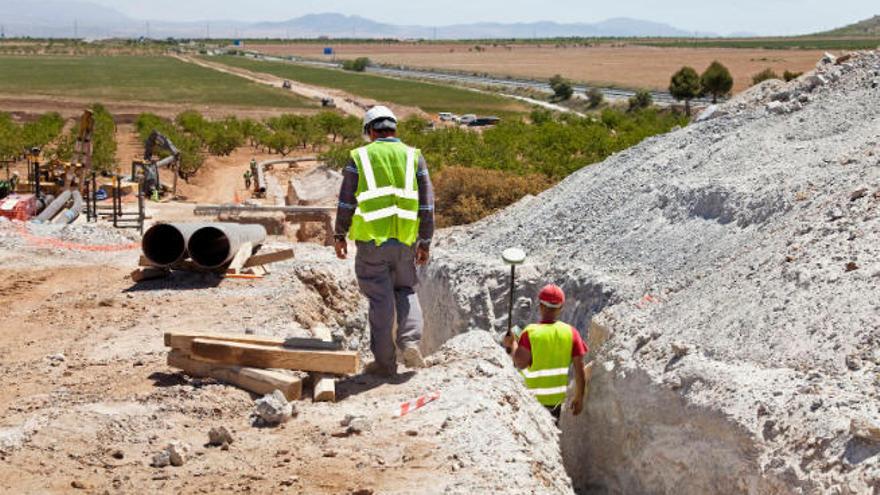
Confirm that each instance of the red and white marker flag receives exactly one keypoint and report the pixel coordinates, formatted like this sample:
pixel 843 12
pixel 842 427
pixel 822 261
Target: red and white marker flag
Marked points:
pixel 408 407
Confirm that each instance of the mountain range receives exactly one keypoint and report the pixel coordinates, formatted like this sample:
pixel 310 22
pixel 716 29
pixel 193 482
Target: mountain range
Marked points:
pixel 83 19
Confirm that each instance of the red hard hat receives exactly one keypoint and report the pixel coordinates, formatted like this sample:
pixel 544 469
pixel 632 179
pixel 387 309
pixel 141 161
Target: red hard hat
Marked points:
pixel 552 296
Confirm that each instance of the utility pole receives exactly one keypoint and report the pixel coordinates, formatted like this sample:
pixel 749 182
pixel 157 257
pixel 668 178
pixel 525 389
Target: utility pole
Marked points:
pixel 2 32
pixel 208 31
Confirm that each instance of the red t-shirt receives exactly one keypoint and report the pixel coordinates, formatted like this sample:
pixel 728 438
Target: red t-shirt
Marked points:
pixel 578 347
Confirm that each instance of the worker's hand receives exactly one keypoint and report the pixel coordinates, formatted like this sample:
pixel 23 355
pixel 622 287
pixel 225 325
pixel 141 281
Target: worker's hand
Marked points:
pixel 577 405
pixel 509 340
pixel 341 249
pixel 423 254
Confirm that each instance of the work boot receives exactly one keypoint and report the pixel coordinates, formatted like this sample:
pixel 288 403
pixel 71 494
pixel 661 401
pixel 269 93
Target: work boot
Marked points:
pixel 412 358
pixel 376 369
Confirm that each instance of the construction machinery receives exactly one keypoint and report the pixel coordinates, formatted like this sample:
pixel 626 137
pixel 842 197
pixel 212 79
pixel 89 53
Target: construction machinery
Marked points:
pixel 150 167
pixel 71 175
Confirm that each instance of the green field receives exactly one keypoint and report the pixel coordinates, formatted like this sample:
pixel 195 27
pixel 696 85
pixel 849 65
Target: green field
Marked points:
pixel 133 78
pixel 427 96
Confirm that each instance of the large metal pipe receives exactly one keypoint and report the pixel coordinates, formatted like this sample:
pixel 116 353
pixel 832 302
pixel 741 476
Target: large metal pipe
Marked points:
pixel 69 215
pixel 165 243
pixel 54 207
pixel 213 246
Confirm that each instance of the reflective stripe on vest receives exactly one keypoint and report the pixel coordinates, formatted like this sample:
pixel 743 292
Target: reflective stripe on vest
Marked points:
pixel 547 377
pixel 387 194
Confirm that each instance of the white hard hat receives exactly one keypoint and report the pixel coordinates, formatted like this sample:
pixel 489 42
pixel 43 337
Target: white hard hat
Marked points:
pixel 380 112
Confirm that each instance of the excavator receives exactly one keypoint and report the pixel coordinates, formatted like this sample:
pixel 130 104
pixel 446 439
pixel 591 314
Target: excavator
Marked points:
pixel 152 184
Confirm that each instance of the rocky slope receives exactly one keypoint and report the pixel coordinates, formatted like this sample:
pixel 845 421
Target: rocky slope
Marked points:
pixel 736 263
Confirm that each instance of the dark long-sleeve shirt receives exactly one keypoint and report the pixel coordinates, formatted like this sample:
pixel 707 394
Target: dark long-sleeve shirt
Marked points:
pixel 348 200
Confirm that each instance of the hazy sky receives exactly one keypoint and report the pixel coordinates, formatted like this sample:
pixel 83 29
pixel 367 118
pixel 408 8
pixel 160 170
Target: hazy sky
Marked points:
pixel 757 16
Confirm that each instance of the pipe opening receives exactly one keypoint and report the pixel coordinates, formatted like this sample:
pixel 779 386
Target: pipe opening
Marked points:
pixel 164 245
pixel 209 247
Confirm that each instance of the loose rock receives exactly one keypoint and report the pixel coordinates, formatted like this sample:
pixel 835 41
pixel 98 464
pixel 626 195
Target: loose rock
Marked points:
pixel 273 409
pixel 219 436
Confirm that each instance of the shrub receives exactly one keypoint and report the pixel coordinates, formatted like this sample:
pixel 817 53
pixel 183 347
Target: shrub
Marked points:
pixel 359 64
pixel 791 76
pixel 562 89
pixel 641 100
pixel 465 195
pixel 595 97
pixel 764 75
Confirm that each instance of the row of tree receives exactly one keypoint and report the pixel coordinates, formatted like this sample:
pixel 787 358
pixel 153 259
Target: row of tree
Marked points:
pixel 196 136
pixel 686 84
pixel 16 140
pixel 547 144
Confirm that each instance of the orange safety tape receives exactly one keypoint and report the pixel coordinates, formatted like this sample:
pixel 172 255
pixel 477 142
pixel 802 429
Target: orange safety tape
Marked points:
pixel 72 246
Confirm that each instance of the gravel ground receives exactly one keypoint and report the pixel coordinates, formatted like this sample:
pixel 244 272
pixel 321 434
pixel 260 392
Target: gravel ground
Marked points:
pixel 736 264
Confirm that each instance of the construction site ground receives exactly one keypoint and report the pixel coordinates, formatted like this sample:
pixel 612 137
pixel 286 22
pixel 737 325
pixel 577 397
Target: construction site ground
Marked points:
pixel 89 399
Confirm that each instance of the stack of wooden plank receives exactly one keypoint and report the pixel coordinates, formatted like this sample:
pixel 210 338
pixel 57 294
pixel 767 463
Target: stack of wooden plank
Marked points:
pixel 253 363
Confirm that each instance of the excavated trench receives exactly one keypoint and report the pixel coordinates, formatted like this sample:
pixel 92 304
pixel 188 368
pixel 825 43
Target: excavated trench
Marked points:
pixel 634 436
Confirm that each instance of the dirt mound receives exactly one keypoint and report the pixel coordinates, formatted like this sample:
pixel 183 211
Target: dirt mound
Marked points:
pixel 734 263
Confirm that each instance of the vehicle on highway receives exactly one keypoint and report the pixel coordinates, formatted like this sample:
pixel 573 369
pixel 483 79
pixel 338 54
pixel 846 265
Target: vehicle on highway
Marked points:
pixel 484 121
pixel 467 119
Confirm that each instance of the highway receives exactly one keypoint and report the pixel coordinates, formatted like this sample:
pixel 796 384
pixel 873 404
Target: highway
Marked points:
pixel 660 97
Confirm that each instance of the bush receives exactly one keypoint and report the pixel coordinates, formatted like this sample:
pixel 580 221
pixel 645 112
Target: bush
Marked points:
pixel 465 195
pixel 595 97
pixel 357 65
pixel 641 100
pixel 764 75
pixel 562 89
pixel 716 81
pixel 791 76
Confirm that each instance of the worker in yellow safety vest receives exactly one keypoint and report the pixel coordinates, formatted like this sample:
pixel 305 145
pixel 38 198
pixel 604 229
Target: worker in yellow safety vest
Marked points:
pixel 386 206
pixel 546 351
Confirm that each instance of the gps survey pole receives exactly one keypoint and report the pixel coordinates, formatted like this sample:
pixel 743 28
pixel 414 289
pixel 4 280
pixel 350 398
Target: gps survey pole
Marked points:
pixel 513 257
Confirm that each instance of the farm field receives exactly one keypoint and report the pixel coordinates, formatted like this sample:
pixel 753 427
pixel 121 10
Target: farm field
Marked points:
pixel 615 65
pixel 134 78
pixel 428 97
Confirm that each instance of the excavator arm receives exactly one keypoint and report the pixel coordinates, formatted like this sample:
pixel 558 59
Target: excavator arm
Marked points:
pixel 158 141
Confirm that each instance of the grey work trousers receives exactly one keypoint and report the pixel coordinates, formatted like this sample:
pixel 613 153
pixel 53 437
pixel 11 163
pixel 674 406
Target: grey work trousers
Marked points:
pixel 387 277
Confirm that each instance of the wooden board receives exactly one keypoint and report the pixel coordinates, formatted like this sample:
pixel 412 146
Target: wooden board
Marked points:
pixel 254 380
pixel 144 274
pixel 323 388
pixel 241 257
pixel 261 356
pixel 183 341
pixel 268 258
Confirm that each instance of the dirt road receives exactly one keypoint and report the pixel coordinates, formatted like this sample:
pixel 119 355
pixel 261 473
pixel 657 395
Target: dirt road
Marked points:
pixel 351 104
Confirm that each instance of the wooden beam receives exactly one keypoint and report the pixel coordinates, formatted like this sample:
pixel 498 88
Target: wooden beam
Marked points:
pixel 254 380
pixel 323 388
pixel 144 274
pixel 261 356
pixel 268 258
pixel 183 341
pixel 244 252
